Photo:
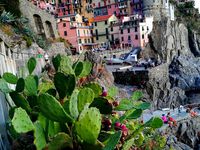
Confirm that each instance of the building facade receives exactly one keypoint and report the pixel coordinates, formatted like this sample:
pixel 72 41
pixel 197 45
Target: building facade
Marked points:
pixel 77 32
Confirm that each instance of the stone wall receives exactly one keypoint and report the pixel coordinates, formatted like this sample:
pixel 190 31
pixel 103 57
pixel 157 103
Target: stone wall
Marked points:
pixel 28 10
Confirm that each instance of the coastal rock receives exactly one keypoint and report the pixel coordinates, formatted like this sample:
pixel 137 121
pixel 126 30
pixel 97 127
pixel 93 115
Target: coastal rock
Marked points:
pixel 169 39
pixel 185 134
pixel 194 42
pixel 185 73
pixel 159 89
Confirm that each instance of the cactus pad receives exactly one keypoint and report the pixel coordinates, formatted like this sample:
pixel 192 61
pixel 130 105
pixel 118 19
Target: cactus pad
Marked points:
pixel 89 124
pixel 86 95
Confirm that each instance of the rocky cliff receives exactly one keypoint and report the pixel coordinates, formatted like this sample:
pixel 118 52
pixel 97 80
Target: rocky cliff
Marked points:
pixel 185 136
pixel 177 50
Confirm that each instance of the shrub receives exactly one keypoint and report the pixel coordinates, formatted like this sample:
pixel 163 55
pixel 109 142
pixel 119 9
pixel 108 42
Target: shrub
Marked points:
pixel 28 40
pixel 71 112
pixel 7 29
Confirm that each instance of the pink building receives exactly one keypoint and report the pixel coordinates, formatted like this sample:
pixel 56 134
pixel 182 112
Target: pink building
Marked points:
pixel 77 32
pixel 134 31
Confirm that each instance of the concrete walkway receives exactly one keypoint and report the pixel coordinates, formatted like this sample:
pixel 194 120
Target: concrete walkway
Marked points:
pixel 147 115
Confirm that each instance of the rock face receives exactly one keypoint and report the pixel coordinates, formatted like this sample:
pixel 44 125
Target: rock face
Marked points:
pixel 169 39
pixel 159 88
pixel 176 49
pixel 194 41
pixel 186 132
pixel 185 73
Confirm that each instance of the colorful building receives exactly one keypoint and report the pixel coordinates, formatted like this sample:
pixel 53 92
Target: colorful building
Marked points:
pixel 101 30
pixel 77 32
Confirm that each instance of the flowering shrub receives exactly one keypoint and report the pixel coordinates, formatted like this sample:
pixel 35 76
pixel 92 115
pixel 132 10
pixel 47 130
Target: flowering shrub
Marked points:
pixel 72 112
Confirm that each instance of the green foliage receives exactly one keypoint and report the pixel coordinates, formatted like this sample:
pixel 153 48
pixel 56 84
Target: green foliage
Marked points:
pixel 86 95
pixel 65 114
pixel 73 104
pixel 136 95
pixel 56 61
pixel 113 141
pixel 31 65
pixel 20 101
pixel 10 78
pixel 113 91
pixel 28 40
pixel 12 6
pixel 21 121
pixel 96 88
pixel 103 105
pixel 40 141
pixel 64 84
pixel 125 104
pixel 87 67
pixel 31 85
pixel 61 141
pixel 88 125
pixel 52 109
pixel 20 85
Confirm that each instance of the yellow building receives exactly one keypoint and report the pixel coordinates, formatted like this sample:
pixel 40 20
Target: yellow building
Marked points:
pixel 101 30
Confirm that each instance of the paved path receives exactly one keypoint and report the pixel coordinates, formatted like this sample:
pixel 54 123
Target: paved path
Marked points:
pixel 174 114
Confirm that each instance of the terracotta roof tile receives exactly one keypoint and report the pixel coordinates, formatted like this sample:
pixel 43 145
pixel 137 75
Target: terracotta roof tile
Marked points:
pixel 101 18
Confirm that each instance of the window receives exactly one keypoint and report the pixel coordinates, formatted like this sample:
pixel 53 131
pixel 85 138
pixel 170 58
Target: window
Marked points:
pixel 84 32
pixel 106 22
pixel 106 30
pixel 64 24
pixel 129 37
pixel 142 28
pixel 65 33
pixel 111 29
pixel 109 6
pixel 96 31
pixel 147 28
pixel 136 37
pixel 95 23
pixel 78 33
pixel 79 41
pixel 128 30
pixel 88 40
pixel 142 36
pixel 122 38
pixel 121 31
pixel 135 29
pixel 85 40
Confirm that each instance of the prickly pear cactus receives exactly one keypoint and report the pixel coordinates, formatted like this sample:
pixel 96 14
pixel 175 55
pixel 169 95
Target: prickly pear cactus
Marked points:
pixel 87 67
pixel 20 101
pixel 66 65
pixel 20 85
pixel 52 109
pixel 56 61
pixel 95 87
pixel 73 104
pixel 61 141
pixel 104 106
pixel 78 68
pixel 21 121
pixel 65 84
pixel 31 85
pixel 31 65
pixel 39 136
pixel 89 124
pixel 10 78
pixel 86 95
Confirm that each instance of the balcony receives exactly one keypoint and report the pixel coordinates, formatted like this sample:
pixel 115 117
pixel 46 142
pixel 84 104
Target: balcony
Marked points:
pixel 122 6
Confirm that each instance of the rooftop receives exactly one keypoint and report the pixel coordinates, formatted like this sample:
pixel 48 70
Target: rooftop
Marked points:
pixel 101 18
